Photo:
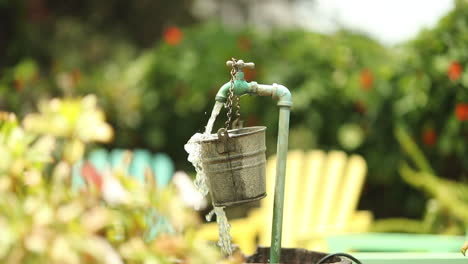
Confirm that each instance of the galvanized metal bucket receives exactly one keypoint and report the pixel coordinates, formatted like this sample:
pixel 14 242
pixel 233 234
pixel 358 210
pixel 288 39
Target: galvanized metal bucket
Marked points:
pixel 234 164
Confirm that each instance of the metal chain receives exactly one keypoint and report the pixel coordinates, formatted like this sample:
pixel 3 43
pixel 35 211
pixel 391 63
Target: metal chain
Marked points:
pixel 231 94
pixel 237 111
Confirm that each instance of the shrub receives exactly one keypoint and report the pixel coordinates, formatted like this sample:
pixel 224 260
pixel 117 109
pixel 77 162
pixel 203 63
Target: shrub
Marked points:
pixel 44 221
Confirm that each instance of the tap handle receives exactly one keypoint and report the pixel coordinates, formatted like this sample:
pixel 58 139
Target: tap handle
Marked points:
pixel 240 64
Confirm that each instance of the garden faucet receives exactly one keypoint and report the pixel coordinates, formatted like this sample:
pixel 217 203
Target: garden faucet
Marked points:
pixel 242 87
pixel 282 94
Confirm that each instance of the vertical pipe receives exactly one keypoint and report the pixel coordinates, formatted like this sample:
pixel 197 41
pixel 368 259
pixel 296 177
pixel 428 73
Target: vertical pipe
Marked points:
pixel 281 155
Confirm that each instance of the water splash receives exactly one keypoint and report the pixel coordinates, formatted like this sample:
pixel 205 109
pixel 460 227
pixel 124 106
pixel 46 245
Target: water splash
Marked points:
pixel 224 229
pixel 194 149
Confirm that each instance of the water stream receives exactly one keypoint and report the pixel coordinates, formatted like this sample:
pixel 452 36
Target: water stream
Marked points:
pixel 216 109
pixel 224 229
pixel 193 148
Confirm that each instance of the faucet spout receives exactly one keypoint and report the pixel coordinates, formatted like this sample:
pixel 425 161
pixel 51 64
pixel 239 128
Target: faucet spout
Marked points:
pixel 241 87
pixel 223 92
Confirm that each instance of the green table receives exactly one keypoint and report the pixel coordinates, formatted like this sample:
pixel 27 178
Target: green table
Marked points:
pixel 411 258
pixel 388 242
pixel 386 248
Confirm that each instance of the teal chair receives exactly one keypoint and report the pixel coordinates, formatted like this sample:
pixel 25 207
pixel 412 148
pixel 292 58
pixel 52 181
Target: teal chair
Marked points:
pixel 77 180
pixel 160 165
pixel 163 169
pixel 99 158
pixel 116 158
pixel 141 161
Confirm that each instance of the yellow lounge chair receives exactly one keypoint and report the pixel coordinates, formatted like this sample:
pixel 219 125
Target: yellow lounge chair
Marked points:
pixel 321 195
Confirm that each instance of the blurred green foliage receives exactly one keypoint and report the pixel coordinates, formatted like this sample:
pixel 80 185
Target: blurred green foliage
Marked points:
pixel 349 92
pixel 44 221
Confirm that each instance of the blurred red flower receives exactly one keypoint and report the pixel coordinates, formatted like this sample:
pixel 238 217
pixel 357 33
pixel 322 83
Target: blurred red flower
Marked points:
pixel 366 79
pixel 429 137
pixel 37 10
pixel 461 111
pixel 244 43
pixel 249 74
pixel 455 70
pixel 91 175
pixel 252 120
pixel 76 76
pixel 19 85
pixel 360 107
pixel 173 36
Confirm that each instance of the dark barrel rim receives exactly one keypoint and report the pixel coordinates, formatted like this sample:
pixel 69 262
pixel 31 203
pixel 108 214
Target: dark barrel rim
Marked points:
pixel 239 132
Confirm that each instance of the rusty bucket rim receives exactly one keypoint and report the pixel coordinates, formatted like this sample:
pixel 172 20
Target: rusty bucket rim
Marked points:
pixel 250 131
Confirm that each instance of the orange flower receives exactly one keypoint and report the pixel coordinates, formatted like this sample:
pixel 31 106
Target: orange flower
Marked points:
pixel 173 36
pixel 461 111
pixel 366 79
pixel 170 245
pixel 37 10
pixel 249 74
pixel 360 107
pixel 429 137
pixel 455 70
pixel 76 76
pixel 252 120
pixel 19 85
pixel 244 43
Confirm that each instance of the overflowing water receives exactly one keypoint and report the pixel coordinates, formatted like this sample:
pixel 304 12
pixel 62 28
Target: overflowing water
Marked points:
pixel 193 148
pixel 224 229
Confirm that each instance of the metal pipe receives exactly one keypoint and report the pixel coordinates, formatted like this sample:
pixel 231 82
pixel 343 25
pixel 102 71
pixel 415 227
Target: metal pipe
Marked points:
pixel 242 87
pixel 277 91
pixel 281 156
pixel 283 95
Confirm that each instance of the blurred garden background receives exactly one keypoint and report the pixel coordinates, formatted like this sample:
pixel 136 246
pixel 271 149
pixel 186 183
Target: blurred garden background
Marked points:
pixel 155 67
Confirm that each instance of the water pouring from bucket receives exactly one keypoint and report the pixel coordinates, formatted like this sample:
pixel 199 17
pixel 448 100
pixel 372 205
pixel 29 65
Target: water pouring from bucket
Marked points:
pixel 231 163
pixel 193 148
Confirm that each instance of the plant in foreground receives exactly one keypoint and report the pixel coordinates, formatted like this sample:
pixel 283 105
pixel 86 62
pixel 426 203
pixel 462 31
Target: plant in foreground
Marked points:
pixel 44 221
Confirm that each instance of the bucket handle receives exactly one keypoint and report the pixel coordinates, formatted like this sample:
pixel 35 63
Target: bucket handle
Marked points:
pixel 225 143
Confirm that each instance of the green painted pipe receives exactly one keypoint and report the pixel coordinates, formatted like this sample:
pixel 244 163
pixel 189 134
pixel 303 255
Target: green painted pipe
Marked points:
pixel 282 94
pixel 242 87
pixel 281 156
